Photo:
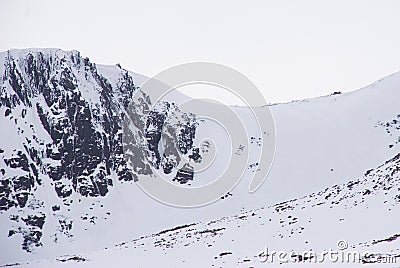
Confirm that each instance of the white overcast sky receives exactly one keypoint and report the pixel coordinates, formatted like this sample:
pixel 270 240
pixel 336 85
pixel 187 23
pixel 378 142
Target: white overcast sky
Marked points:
pixel 289 49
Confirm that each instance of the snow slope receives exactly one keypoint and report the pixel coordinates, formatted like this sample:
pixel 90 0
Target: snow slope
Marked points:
pixel 362 212
pixel 321 145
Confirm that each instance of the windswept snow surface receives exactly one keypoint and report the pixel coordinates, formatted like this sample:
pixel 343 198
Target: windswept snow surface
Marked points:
pixel 318 192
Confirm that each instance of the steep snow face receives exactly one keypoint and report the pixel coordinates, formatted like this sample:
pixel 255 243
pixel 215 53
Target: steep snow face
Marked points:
pixel 65 187
pixel 332 139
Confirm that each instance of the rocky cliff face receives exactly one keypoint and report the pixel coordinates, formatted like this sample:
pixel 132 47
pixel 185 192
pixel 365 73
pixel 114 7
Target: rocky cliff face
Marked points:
pixel 61 124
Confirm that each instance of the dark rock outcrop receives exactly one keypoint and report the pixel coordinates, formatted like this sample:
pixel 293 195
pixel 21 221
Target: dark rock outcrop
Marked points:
pixel 63 123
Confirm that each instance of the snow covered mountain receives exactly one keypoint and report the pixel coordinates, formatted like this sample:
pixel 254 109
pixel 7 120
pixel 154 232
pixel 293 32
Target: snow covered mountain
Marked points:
pixel 62 141
pixel 66 190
